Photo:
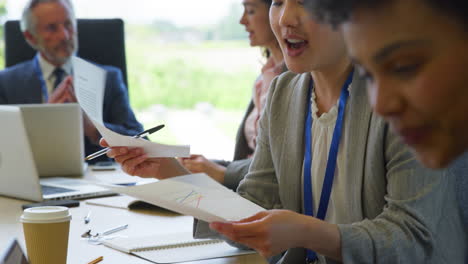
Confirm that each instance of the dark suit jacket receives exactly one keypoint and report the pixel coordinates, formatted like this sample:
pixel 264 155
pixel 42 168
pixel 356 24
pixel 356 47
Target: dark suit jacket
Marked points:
pixel 19 84
pixel 239 166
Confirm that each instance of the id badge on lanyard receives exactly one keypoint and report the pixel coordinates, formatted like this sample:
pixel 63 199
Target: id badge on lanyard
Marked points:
pixel 331 163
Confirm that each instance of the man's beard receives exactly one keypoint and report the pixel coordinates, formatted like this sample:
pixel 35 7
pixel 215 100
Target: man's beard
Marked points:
pixel 71 48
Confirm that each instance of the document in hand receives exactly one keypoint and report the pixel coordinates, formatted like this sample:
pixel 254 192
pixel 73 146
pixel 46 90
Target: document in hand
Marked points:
pixel 197 195
pixel 89 84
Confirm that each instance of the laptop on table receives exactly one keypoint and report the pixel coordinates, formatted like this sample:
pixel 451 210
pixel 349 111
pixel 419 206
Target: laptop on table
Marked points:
pixel 41 153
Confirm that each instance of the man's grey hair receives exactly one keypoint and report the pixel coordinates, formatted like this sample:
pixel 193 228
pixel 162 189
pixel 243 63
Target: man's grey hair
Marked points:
pixel 28 21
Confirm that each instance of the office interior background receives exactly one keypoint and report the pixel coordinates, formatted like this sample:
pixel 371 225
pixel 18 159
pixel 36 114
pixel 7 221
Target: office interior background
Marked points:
pixel 189 66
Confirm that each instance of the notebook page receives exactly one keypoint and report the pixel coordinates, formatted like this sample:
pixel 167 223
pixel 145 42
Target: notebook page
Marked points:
pixel 176 247
pixel 156 242
pixel 199 252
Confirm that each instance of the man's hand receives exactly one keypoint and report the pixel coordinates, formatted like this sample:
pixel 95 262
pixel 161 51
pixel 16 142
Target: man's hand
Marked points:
pixel 64 93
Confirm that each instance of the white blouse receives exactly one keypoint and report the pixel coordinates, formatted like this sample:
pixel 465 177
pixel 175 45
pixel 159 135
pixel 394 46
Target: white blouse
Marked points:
pixel 322 134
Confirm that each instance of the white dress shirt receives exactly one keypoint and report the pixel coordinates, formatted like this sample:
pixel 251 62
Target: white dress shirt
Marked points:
pixel 48 72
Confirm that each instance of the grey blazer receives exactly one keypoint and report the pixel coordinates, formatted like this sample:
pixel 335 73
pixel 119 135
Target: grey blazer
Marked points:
pixel 398 211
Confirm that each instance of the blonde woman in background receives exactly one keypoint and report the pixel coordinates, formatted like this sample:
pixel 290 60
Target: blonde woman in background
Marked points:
pixel 257 23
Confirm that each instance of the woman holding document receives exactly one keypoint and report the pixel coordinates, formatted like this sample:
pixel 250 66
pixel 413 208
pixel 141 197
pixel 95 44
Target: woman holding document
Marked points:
pixel 340 185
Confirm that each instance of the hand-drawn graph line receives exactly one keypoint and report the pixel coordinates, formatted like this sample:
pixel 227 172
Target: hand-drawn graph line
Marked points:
pixel 189 198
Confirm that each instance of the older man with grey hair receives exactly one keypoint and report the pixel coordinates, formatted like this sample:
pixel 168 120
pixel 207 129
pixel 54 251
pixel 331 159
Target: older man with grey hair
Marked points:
pixel 49 26
pixel 56 49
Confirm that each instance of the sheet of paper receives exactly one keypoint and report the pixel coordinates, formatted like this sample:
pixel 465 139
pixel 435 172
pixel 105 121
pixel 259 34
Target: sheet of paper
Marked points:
pixel 89 84
pixel 197 195
pixel 153 149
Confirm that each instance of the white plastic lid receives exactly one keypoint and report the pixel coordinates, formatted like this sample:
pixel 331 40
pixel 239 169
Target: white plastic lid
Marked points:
pixel 46 214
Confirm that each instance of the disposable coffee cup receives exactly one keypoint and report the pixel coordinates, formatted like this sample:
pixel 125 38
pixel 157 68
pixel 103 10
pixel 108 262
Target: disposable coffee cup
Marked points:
pixel 46 233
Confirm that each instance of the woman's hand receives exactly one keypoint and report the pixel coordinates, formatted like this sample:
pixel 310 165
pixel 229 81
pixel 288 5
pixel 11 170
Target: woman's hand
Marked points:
pixel 268 232
pixel 275 231
pixel 135 162
pixel 198 163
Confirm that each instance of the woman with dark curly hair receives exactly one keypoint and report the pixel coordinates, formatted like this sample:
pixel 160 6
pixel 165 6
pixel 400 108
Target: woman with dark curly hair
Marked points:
pixel 413 54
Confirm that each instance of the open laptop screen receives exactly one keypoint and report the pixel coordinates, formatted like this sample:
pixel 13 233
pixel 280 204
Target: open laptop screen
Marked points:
pixel 19 177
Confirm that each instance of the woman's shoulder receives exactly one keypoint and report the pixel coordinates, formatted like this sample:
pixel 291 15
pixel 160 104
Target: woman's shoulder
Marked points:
pixel 287 94
pixel 289 78
pixel 288 83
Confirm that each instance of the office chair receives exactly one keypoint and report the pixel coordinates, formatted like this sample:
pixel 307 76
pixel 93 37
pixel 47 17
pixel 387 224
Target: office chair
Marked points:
pixel 99 40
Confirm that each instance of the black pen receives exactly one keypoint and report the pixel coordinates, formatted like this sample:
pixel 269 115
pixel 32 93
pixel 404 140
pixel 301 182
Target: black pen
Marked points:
pixel 139 135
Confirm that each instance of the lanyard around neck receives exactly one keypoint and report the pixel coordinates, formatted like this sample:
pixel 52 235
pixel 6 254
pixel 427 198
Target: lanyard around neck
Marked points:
pixel 40 76
pixel 331 163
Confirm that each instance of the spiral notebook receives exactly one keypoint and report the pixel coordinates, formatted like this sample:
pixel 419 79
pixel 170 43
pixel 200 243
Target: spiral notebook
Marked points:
pixel 173 248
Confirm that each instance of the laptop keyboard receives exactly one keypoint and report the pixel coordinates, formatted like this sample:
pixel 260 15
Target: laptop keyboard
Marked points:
pixel 48 190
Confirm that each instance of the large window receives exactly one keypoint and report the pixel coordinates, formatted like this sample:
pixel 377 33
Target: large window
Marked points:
pixel 189 66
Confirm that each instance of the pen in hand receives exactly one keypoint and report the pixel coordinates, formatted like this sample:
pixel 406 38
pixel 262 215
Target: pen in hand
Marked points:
pixel 139 135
